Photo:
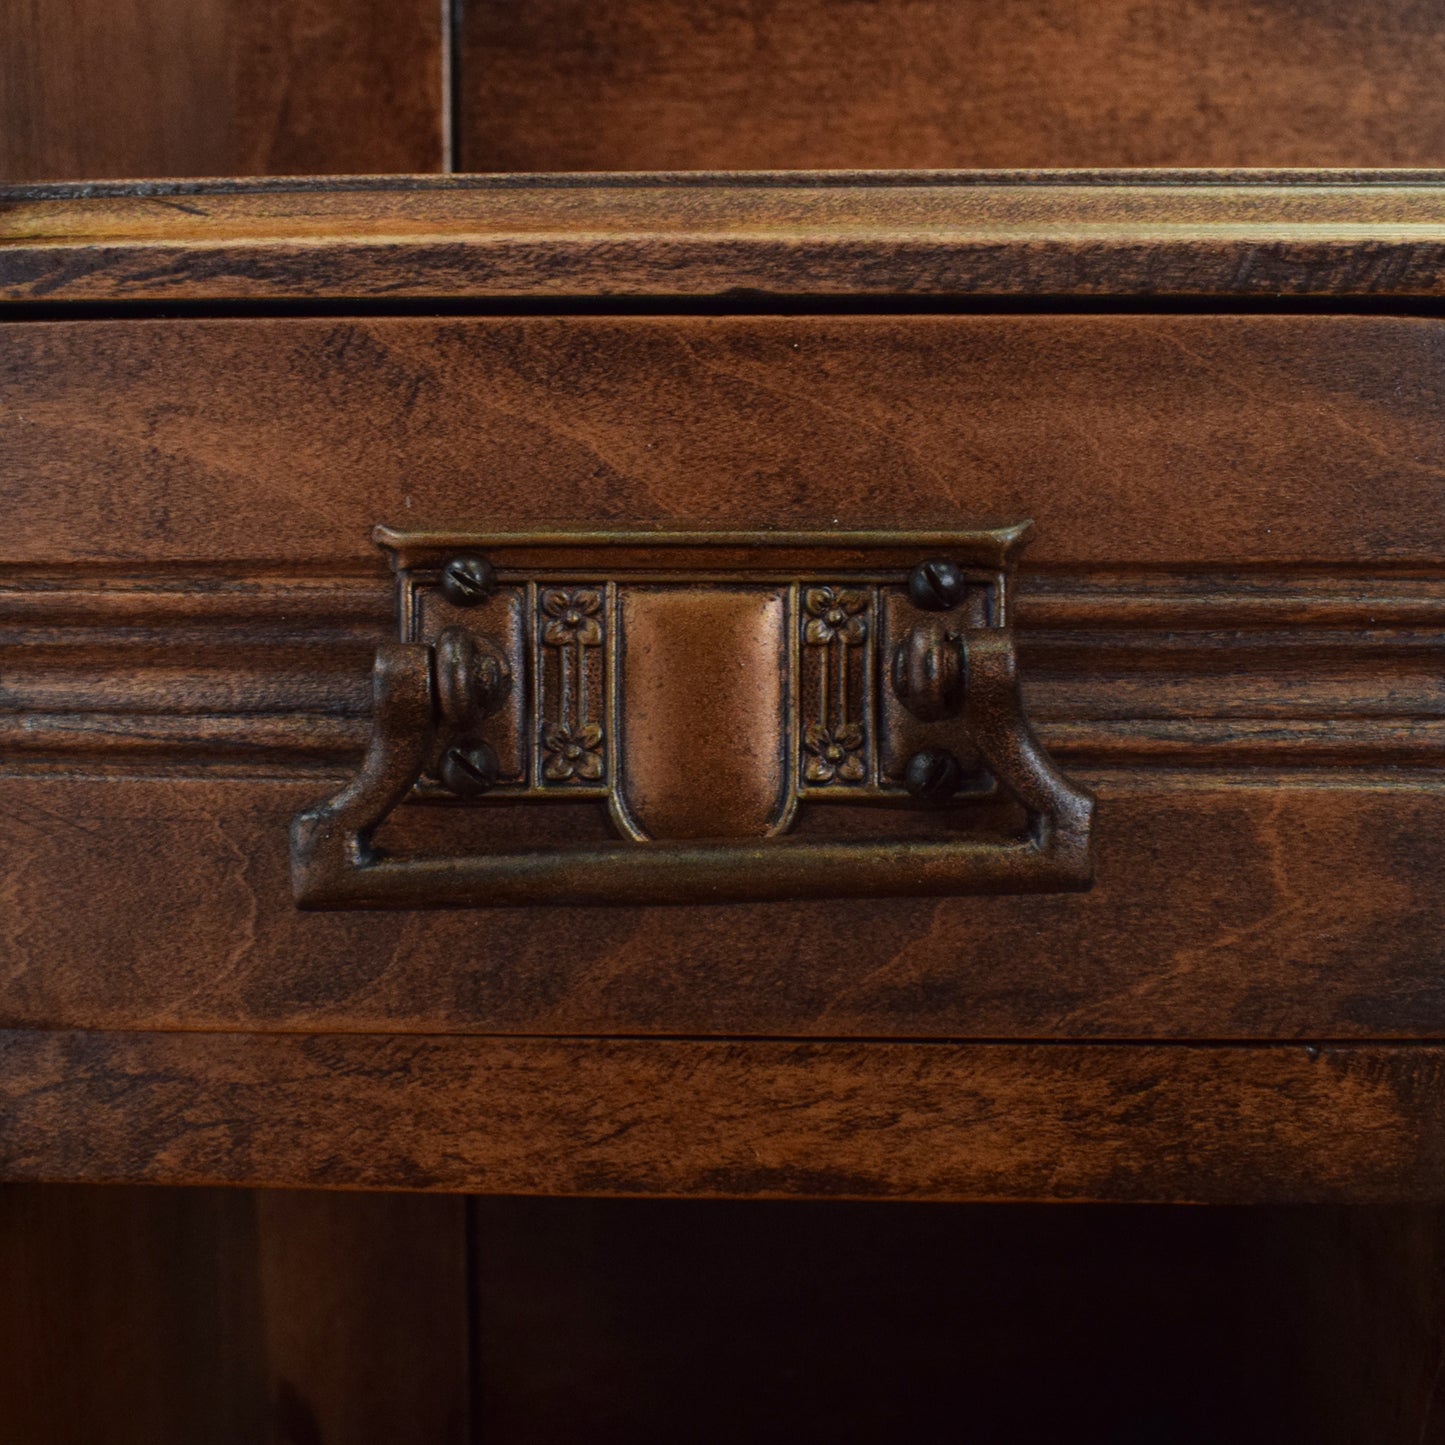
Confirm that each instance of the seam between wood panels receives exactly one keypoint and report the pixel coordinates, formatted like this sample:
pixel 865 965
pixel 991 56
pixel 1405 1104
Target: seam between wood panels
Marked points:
pixel 1315 1046
pixel 1132 177
pixel 444 117
pixel 451 76
pixel 786 307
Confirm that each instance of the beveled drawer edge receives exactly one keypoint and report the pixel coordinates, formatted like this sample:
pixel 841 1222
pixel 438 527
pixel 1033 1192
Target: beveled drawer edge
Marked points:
pixel 1037 234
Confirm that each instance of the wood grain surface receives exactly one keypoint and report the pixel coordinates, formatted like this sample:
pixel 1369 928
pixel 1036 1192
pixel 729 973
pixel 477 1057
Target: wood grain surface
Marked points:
pixel 741 239
pixel 698 84
pixel 1254 495
pixel 1233 908
pixel 1187 441
pixel 102 88
pixel 1232 616
pixel 1233 621
pixel 169 1316
pixel 160 88
pixel 726 1118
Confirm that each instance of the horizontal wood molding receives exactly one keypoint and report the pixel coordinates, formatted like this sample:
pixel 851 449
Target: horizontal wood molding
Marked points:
pixel 727 1119
pixel 185 672
pixel 899 234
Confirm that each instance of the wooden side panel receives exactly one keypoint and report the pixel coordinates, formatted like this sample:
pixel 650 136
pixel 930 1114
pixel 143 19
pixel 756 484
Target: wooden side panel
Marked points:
pixel 100 88
pixel 1132 440
pixel 1365 1346
pixel 366 1316
pixel 693 84
pixel 728 1119
pixel 165 1317
pixel 131 1316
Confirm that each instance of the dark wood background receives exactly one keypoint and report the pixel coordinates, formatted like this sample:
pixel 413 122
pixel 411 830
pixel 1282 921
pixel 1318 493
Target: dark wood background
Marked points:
pixel 110 88
pixel 181 1315
pixel 145 1317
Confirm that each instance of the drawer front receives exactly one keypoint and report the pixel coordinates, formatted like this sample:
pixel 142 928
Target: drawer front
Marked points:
pixel 1229 626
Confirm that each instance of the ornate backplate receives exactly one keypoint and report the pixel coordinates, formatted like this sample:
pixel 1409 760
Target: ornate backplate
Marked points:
pixel 714 690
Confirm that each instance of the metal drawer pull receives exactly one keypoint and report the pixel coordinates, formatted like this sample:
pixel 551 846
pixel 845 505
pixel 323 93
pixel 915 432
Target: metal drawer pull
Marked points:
pixel 742 706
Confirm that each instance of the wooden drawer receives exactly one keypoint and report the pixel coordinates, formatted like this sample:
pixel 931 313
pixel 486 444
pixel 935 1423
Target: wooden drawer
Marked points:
pixel 1231 629
pixel 1230 625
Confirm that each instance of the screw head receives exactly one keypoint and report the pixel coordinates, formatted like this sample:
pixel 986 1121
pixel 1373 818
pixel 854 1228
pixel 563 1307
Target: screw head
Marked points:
pixel 936 586
pixel 468 580
pixel 928 672
pixel 470 771
pixel 933 775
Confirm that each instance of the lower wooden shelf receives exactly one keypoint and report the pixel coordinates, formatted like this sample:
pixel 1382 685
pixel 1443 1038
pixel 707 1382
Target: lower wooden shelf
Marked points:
pixel 718 1118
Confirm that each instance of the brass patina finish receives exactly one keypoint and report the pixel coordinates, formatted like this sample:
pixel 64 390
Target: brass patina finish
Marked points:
pixel 707 690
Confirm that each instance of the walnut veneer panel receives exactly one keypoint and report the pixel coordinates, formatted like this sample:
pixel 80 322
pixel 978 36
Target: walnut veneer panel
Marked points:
pixel 564 85
pixel 1196 440
pixel 94 88
pixel 1235 907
